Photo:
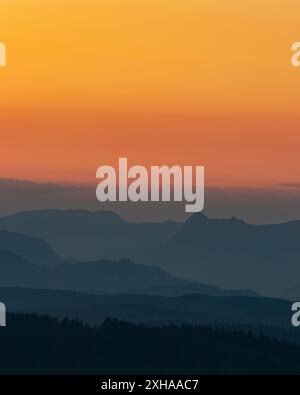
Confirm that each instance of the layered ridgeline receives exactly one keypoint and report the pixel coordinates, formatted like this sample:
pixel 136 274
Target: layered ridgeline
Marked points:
pixel 101 276
pixel 35 278
pixel 84 235
pixel 226 252
pixel 230 252
pixel 33 249
pixel 152 309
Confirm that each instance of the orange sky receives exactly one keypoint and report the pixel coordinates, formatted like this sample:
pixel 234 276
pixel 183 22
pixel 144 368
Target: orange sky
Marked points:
pixel 161 82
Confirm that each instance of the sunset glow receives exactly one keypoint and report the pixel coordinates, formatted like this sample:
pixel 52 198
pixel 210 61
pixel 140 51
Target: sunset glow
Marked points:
pixel 160 82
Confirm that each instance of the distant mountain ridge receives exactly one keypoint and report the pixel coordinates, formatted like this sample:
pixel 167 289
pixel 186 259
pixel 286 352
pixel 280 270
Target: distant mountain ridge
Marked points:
pixel 33 249
pixel 85 235
pixel 230 252
pixel 150 309
pixel 226 252
pixel 199 228
pixel 101 276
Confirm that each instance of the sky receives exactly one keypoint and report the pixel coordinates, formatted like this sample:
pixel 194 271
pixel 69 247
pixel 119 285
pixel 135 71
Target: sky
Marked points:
pixel 183 82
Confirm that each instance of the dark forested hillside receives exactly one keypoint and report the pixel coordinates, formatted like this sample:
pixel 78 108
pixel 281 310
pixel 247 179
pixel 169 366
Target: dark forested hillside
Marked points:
pixel 32 344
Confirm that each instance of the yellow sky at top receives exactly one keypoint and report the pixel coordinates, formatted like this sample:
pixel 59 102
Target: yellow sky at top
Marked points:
pixel 140 53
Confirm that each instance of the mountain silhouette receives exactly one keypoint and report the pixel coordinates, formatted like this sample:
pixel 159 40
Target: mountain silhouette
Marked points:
pixel 236 235
pixel 15 270
pixel 231 253
pixel 84 235
pixel 150 309
pixel 33 249
pixel 101 276
pixel 226 252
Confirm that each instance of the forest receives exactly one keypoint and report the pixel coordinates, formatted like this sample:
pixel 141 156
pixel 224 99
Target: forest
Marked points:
pixel 44 345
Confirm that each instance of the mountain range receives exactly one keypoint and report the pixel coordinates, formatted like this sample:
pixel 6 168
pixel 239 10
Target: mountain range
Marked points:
pixel 226 252
pixel 151 309
pixel 101 276
pixel 230 252
pixel 85 235
pixel 33 249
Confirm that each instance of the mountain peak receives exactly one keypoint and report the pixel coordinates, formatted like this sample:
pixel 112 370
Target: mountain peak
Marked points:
pixel 198 218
